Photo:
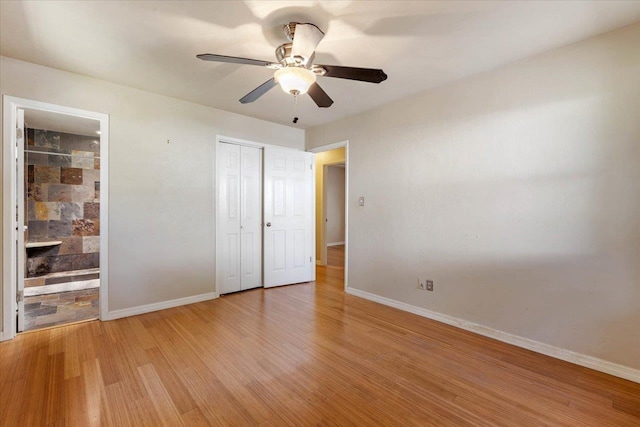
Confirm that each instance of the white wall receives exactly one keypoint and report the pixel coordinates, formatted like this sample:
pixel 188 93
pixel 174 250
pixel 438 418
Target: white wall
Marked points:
pixel 517 191
pixel 161 206
pixel 335 204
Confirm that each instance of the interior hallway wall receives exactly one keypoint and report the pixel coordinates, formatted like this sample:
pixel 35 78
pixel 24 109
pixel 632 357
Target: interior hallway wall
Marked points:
pixel 335 204
pixel 517 191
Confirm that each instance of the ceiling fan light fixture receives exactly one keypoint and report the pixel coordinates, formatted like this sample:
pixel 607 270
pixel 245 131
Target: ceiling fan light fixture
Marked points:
pixel 295 80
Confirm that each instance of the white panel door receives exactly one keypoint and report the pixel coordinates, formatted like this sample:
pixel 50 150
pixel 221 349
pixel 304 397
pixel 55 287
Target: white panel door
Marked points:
pixel 288 216
pixel 228 237
pixel 20 244
pixel 251 217
pixel 239 239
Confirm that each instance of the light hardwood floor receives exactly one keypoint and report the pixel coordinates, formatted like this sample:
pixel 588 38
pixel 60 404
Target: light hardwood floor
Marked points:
pixel 335 256
pixel 297 355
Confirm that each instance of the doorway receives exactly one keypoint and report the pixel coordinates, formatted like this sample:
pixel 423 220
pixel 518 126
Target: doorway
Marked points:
pixel 332 212
pixel 54 196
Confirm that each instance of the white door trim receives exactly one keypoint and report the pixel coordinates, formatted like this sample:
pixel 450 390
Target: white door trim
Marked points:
pixel 9 196
pixel 238 141
pixel 328 147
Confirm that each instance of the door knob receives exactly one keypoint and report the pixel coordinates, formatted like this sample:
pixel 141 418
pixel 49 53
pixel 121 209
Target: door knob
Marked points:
pixel 268 224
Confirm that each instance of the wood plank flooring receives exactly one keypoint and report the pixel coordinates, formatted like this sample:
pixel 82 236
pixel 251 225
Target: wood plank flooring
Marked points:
pixel 335 256
pixel 297 355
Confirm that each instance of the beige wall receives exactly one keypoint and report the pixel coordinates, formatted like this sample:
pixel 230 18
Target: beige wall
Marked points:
pixel 161 206
pixel 323 158
pixel 335 204
pixel 516 191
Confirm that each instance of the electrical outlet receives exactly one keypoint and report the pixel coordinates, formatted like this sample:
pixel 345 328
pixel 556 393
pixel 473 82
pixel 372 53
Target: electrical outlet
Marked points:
pixel 430 285
pixel 422 284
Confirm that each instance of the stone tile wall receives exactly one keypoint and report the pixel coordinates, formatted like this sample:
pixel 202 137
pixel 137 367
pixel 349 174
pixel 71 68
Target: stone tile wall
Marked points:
pixel 62 173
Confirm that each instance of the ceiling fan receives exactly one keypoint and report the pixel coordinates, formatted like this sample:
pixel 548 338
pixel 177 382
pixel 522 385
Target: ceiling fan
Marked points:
pixel 295 71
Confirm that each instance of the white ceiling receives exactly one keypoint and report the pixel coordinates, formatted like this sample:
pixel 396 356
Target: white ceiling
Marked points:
pixel 47 120
pixel 151 45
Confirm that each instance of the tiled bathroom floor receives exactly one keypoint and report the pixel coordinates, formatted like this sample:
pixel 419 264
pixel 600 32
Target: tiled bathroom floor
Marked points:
pixel 43 311
pixel 61 287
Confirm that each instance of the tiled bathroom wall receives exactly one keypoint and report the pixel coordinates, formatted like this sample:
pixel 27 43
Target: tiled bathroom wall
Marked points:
pixel 62 174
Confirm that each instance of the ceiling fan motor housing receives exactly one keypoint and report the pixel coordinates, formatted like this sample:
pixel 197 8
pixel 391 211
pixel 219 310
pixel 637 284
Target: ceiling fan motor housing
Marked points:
pixel 284 52
pixel 290 30
pixel 284 57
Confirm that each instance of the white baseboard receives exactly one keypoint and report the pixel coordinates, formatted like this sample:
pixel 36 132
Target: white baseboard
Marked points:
pixel 141 309
pixel 2 337
pixel 335 244
pixel 549 350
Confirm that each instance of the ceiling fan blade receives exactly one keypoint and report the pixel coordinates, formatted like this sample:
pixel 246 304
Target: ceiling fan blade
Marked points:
pixel 232 59
pixel 371 75
pixel 305 40
pixel 319 96
pixel 259 91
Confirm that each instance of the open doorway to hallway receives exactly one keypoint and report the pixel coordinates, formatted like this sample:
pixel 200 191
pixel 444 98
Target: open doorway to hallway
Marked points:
pixel 334 224
pixel 331 217
pixel 334 214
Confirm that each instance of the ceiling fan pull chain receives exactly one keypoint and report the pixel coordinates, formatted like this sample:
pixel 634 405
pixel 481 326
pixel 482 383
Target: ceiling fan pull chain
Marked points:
pixel 295 108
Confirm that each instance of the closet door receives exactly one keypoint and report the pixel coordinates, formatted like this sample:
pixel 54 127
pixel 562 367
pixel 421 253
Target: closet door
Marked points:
pixel 239 238
pixel 228 232
pixel 251 217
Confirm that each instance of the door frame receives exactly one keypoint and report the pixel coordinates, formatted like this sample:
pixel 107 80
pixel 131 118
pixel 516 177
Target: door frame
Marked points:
pixel 329 147
pixel 11 105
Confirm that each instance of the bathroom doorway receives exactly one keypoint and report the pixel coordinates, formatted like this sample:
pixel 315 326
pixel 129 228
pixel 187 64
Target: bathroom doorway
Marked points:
pixel 60 217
